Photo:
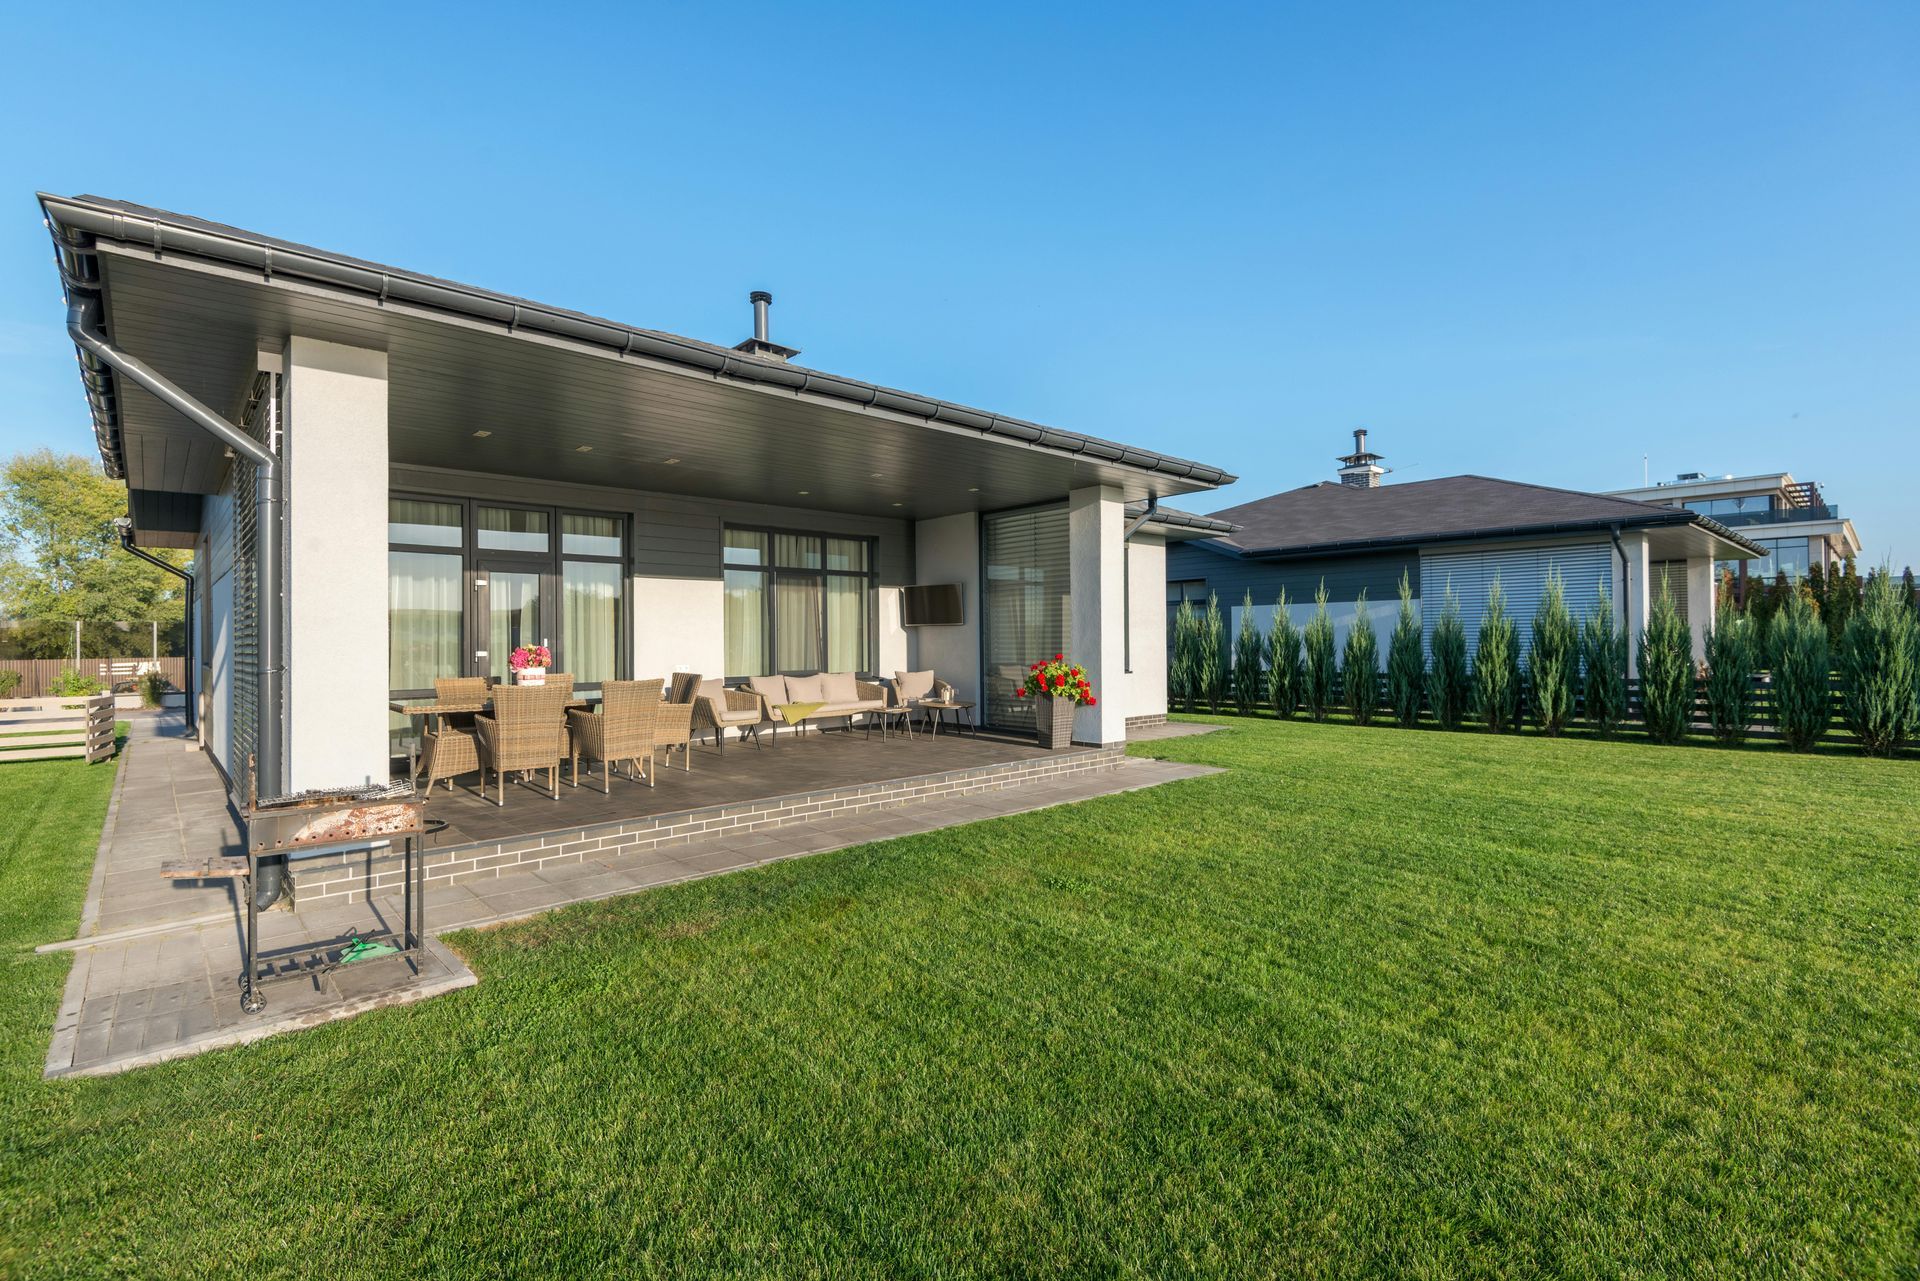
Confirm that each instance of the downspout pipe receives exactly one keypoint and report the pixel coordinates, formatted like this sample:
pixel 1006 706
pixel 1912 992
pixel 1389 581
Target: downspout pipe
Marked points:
pixel 185 576
pixel 83 326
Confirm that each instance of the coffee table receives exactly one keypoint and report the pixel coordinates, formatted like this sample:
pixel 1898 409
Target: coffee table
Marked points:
pixel 941 706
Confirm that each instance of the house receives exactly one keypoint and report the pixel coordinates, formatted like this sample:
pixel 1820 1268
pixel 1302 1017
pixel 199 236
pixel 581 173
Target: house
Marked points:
pixel 387 478
pixel 1459 534
pixel 1791 519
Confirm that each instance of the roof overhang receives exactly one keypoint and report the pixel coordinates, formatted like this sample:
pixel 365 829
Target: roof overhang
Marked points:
pixel 487 382
pixel 1178 526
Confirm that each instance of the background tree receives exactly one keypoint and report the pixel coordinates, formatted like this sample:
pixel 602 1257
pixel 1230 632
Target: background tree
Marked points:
pixel 1666 672
pixel 1730 668
pixel 1448 679
pixel 1406 665
pixel 1879 687
pixel 1553 661
pixel 1603 658
pixel 1249 662
pixel 1360 671
pixel 1496 666
pixel 1844 596
pixel 1316 686
pixel 1284 676
pixel 1210 664
pixel 1802 697
pixel 60 560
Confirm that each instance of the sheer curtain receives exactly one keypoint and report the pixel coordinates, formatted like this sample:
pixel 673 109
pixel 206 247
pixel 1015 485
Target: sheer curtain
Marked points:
pixel 423 618
pixel 796 623
pixel 846 624
pixel 590 596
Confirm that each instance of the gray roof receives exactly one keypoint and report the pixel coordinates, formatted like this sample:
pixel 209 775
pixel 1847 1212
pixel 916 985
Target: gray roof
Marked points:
pixel 76 220
pixel 1329 518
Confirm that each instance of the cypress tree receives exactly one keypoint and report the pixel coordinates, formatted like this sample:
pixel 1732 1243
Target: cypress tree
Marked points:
pixel 1666 672
pixel 1880 689
pixel 1730 668
pixel 1406 665
pixel 1316 689
pixel 1553 661
pixel 1180 667
pixel 1210 665
pixel 1249 662
pixel 1802 699
pixel 1603 656
pixel 1447 679
pixel 1496 666
pixel 1283 661
pixel 1360 673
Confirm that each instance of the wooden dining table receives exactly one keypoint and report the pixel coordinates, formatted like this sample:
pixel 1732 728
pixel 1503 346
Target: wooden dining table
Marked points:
pixel 428 711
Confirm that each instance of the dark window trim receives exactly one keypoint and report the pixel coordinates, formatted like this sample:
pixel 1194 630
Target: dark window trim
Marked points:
pixel 771 572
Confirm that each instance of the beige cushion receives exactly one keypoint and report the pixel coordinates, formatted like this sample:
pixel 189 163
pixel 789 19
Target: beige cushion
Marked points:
pixel 715 689
pixel 912 685
pixel 840 687
pixel 807 689
pixel 772 688
pixel 851 707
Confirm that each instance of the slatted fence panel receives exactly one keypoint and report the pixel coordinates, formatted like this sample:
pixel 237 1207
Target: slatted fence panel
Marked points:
pixel 38 729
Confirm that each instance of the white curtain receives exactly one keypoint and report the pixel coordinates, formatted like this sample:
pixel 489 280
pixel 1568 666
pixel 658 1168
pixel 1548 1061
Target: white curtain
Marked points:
pixel 591 598
pixel 423 618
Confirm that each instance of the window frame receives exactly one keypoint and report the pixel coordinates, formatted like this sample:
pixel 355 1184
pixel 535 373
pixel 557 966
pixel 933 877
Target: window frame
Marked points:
pixel 550 564
pixel 771 572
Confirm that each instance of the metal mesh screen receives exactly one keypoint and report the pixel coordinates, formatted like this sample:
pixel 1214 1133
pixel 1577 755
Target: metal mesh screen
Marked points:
pixel 244 734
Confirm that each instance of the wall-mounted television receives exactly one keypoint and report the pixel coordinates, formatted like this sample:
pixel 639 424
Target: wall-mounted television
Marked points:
pixel 933 605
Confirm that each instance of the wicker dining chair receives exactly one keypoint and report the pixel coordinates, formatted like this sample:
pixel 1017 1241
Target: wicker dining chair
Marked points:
pixel 527 731
pixel 622 731
pixel 673 729
pixel 448 750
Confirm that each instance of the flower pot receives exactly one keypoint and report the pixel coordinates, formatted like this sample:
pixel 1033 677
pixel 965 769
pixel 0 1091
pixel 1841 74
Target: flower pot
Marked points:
pixel 530 676
pixel 1053 717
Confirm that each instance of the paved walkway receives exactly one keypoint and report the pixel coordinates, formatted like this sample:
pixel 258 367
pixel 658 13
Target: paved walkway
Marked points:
pixel 1169 729
pixel 156 974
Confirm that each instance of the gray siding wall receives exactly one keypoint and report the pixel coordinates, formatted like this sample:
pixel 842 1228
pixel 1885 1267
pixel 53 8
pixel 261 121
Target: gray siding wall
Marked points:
pixel 1522 573
pixel 673 536
pixel 1345 576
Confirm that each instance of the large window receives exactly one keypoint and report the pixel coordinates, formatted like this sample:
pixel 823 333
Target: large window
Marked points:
pixel 797 602
pixel 1746 510
pixel 468 581
pixel 1028 614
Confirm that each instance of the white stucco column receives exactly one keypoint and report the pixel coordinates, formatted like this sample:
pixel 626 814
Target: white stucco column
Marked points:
pixel 1636 599
pixel 1700 604
pixel 946 549
pixel 335 449
pixel 1096 519
pixel 1147 625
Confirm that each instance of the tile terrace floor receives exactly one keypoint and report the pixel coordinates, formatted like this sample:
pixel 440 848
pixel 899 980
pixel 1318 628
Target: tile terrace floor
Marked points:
pixel 810 762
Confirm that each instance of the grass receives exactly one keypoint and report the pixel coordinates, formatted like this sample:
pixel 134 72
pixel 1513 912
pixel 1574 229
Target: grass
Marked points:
pixel 1372 1002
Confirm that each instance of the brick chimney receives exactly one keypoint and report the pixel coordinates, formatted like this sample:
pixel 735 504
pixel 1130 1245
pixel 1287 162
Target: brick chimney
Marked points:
pixel 1361 469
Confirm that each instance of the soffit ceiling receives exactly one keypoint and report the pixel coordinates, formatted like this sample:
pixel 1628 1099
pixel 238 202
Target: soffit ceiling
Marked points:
pixel 540 399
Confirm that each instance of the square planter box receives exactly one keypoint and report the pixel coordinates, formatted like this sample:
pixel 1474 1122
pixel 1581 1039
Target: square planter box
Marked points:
pixel 1054 719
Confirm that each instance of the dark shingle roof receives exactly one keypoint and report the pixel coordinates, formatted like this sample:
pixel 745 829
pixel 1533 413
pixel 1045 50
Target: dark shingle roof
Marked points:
pixel 1329 517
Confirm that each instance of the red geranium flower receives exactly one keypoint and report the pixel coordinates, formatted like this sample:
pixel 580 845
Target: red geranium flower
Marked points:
pixel 1057 658
pixel 1019 693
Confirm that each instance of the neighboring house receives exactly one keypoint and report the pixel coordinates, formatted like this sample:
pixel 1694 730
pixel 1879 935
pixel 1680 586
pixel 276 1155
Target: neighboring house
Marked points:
pixel 1791 519
pixel 453 471
pixel 1459 533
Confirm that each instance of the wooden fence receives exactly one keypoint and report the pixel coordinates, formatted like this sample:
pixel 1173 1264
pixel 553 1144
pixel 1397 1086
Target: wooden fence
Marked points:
pixel 38 729
pixel 37 674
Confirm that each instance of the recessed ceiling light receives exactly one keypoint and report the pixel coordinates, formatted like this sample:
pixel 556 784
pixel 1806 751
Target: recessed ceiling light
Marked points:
pixel 973 489
pixel 671 462
pixel 804 492
pixel 583 449
pixel 481 435
pixel 873 475
pixel 899 504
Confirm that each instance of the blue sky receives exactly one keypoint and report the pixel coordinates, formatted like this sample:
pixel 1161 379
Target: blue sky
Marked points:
pixel 1520 240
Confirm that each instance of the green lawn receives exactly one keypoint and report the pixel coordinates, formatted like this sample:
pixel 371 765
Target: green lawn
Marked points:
pixel 1372 1002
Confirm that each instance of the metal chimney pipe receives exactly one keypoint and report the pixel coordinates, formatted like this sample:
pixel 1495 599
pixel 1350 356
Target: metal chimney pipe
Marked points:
pixel 1359 440
pixel 761 300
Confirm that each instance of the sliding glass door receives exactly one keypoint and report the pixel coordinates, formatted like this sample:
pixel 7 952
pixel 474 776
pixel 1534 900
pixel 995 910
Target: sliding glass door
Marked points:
pixel 511 615
pixel 1028 605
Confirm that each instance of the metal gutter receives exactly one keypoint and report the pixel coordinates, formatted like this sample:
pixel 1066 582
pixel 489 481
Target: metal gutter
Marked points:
pixel 72 219
pixel 1353 545
pixel 1172 518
